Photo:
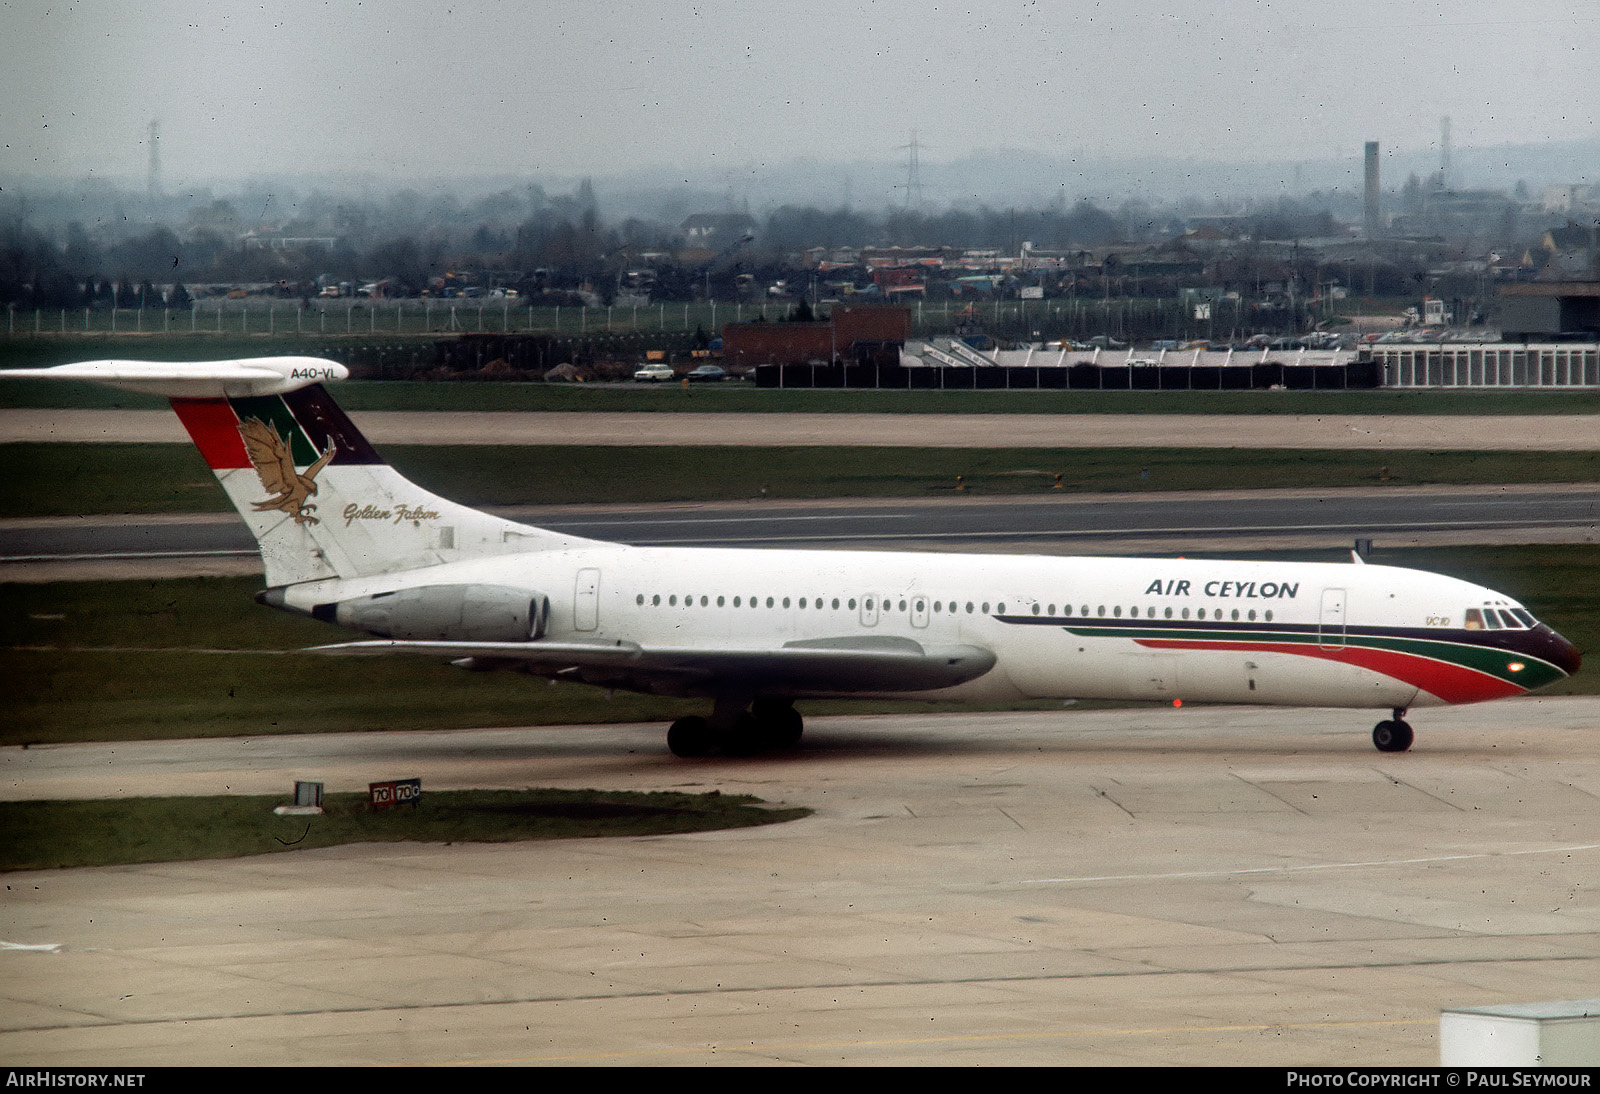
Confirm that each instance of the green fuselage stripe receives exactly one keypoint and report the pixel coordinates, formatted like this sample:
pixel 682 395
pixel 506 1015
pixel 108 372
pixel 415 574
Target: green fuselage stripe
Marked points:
pixel 1492 660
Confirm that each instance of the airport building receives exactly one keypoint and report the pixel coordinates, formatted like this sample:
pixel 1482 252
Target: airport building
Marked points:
pixel 850 332
pixel 1550 333
pixel 1550 339
pixel 1490 365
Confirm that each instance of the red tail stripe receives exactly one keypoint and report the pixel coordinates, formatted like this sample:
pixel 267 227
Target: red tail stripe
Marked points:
pixel 215 430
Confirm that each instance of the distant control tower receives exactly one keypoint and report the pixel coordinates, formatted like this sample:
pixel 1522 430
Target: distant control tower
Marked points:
pixel 1373 218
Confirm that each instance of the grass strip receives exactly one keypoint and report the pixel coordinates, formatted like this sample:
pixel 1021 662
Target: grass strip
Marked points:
pixel 46 835
pixel 81 479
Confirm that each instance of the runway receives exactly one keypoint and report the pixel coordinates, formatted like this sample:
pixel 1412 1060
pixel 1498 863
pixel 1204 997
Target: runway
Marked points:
pixel 1060 524
pixel 1137 886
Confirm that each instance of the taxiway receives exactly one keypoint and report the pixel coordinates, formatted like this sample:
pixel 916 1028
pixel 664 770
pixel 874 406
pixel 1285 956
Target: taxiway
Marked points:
pixel 1137 886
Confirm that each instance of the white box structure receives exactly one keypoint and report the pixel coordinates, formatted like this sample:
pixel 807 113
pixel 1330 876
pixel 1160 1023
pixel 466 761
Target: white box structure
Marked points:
pixel 1560 1034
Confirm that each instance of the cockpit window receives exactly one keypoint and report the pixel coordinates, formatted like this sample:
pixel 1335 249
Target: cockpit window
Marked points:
pixel 1497 619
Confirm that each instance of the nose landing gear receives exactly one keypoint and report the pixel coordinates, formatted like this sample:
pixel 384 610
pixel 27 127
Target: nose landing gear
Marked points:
pixel 1394 735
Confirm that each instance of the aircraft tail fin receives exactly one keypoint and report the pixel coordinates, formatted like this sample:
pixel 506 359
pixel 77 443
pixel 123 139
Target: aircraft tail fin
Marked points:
pixel 318 498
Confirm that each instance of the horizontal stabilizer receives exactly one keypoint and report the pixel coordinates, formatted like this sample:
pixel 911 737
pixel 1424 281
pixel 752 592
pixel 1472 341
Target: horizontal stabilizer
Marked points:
pixel 195 379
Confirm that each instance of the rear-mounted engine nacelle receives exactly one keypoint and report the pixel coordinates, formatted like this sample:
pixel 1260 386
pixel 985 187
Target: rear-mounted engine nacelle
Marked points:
pixel 445 613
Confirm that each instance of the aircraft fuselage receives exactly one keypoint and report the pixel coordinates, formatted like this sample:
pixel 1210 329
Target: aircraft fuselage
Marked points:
pixel 1318 634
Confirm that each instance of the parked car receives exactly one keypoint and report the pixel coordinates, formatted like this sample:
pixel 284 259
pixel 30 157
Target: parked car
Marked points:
pixel 707 373
pixel 654 372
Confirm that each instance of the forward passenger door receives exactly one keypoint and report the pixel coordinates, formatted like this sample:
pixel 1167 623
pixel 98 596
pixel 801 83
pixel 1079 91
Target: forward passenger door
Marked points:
pixel 1330 625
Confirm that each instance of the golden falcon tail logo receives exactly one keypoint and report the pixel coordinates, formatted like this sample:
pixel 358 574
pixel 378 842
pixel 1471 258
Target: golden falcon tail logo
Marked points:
pixel 275 466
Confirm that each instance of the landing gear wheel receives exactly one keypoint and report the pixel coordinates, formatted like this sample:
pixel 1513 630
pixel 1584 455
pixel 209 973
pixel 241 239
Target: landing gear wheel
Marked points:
pixel 1392 736
pixel 744 739
pixel 690 737
pixel 787 728
pixel 780 723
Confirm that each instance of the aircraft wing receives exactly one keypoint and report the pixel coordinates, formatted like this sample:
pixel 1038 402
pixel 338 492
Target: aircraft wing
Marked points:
pixel 832 666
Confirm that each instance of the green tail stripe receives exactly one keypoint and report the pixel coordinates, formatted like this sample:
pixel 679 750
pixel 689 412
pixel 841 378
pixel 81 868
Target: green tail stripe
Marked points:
pixel 272 410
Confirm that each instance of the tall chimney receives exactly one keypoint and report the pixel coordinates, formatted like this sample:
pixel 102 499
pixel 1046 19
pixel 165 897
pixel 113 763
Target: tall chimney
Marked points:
pixel 1444 153
pixel 1374 220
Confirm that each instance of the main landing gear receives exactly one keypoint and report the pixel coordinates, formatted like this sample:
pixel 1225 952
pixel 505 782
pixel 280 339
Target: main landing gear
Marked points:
pixel 1393 736
pixel 767 724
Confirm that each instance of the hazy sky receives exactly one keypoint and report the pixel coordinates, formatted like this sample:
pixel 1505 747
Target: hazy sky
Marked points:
pixel 455 87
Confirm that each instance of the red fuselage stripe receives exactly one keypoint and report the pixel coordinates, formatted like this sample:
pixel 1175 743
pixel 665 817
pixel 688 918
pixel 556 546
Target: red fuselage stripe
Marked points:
pixel 1450 682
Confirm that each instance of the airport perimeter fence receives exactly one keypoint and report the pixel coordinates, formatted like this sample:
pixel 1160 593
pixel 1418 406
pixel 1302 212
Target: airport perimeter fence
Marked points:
pixel 334 318
pixel 1073 318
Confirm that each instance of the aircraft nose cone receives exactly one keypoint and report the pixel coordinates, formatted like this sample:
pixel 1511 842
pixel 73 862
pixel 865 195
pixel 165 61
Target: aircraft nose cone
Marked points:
pixel 1557 650
pixel 1571 660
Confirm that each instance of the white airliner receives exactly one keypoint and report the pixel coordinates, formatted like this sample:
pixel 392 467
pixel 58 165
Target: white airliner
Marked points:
pixel 346 539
